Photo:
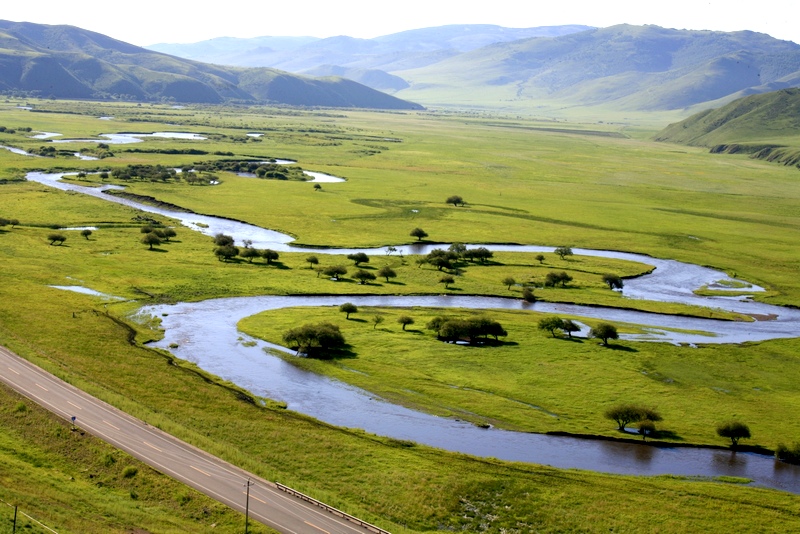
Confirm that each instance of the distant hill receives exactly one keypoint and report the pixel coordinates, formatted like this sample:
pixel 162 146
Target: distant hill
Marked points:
pixel 69 62
pixel 766 126
pixel 624 66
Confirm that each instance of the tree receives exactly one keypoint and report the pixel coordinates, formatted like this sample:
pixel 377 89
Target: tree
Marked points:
pixel 363 276
pixel 447 280
pixel 552 279
pixel 563 252
pixel 471 330
pixel 222 240
pixel 317 187
pixel 314 339
pixel 540 258
pixel 249 254
pixel 646 428
pixel 405 320
pixel 441 259
pixel 169 233
pixel 481 254
pixel 569 327
pixel 604 331
pixel 376 320
pixel 527 295
pixel 386 272
pixel 419 233
pixel 312 261
pixel 624 414
pixel 435 324
pixel 613 281
pixel 56 238
pixel 270 255
pixel 86 233
pixel 151 239
pixel 390 249
pixel 226 252
pixel 347 308
pixel 455 200
pixel 334 271
pixel 734 430
pixel 358 257
pixel 457 248
pixel 551 324
pixel 509 281
pixel 13 222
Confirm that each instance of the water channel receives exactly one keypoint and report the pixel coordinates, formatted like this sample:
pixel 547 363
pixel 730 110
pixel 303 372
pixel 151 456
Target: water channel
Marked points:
pixel 205 333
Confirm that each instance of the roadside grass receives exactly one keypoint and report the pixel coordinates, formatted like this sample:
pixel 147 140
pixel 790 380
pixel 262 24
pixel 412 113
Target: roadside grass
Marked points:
pixel 527 186
pixel 73 482
pixel 531 381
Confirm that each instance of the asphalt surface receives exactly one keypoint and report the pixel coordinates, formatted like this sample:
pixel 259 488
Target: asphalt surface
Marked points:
pixel 208 474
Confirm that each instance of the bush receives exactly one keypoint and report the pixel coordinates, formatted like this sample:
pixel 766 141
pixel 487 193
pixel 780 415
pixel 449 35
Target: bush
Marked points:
pixel 130 471
pixel 788 454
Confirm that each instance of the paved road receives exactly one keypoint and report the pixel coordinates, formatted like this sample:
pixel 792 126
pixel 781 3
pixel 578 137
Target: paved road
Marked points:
pixel 169 455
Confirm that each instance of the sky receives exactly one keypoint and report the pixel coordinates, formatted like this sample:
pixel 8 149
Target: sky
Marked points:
pixel 147 22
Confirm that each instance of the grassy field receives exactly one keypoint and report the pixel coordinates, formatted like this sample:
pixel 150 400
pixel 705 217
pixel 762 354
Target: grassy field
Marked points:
pixel 524 184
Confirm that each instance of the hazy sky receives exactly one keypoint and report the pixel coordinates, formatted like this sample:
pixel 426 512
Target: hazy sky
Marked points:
pixel 145 22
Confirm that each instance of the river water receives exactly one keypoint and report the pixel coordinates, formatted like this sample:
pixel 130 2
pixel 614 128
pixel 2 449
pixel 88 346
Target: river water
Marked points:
pixel 205 333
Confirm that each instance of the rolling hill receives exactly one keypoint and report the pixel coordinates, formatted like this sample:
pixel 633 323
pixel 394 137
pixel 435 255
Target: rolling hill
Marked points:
pixel 68 62
pixel 767 126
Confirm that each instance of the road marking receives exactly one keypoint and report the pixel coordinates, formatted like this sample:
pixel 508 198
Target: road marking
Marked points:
pixel 316 527
pixel 13 370
pixel 44 388
pixel 152 446
pixel 75 405
pixel 200 470
pixel 256 498
pixel 109 424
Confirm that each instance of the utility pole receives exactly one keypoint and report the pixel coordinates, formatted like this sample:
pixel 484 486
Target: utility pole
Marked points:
pixel 247 505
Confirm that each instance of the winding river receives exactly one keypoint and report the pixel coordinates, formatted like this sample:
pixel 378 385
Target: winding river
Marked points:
pixel 206 333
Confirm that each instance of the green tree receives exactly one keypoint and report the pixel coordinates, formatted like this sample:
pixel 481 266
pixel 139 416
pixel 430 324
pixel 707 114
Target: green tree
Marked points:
pixel 314 339
pixel 552 279
pixel 151 239
pixel 347 308
pixel 376 320
pixel 624 414
pixel 222 240
pixel 613 281
pixel 508 282
pixel 387 272
pixel 604 332
pixel 169 233
pixel 447 280
pixel 569 327
pixel 455 200
pixel 551 324
pixel 363 276
pixel 317 187
pixel 358 257
pixel 405 320
pixel 734 430
pixel 334 271
pixel 646 428
pixel 527 295
pixel 563 252
pixel 270 255
pixel 226 252
pixel 441 259
pixel 312 261
pixel 249 254
pixel 56 238
pixel 419 233
pixel 540 258
pixel 86 233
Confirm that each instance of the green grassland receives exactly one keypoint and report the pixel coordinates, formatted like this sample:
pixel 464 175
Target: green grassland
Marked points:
pixel 523 184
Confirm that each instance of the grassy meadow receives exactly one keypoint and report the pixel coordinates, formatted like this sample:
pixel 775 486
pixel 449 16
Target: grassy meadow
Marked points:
pixel 590 185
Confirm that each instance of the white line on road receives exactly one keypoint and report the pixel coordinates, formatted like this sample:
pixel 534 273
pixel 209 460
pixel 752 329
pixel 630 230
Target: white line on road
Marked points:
pixel 200 470
pixel 75 405
pixel 152 446
pixel 13 370
pixel 109 424
pixel 316 527
pixel 41 386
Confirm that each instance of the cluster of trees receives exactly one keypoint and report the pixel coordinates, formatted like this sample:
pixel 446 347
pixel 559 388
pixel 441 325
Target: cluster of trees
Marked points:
pixel 225 250
pixel 552 279
pixel 555 324
pixel 613 281
pixel 5 129
pixel 625 414
pixel 153 173
pixel 155 236
pixel 448 259
pixel 473 330
pixel 315 340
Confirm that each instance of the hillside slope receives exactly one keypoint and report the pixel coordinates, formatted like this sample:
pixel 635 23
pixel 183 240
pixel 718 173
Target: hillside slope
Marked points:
pixel 628 67
pixel 68 62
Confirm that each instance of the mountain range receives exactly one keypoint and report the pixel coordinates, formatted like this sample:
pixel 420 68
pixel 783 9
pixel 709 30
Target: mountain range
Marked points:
pixel 623 67
pixel 641 68
pixel 69 62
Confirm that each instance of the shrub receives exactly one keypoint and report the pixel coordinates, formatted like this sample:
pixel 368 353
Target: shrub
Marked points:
pixel 130 472
pixel 788 454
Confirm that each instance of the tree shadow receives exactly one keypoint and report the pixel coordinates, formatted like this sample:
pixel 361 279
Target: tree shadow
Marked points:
pixel 396 283
pixel 621 348
pixel 357 320
pixel 154 249
pixel 572 339
pixel 341 353
pixel 453 288
pixel 666 434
